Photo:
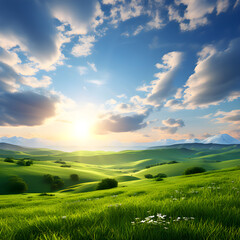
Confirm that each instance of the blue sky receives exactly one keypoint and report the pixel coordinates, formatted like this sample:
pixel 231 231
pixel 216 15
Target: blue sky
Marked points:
pixel 119 71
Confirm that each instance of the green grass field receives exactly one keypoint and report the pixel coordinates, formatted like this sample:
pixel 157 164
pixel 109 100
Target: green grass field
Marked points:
pixel 199 206
pixel 204 206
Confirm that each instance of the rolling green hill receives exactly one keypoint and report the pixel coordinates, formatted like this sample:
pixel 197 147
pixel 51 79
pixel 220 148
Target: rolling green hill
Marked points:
pixel 124 166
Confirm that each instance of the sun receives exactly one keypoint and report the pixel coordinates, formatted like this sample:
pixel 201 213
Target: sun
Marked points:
pixel 82 129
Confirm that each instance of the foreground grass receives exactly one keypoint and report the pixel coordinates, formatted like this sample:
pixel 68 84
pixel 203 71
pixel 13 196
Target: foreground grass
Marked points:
pixel 209 202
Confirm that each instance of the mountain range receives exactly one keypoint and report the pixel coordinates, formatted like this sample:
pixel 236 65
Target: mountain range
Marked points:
pixel 19 143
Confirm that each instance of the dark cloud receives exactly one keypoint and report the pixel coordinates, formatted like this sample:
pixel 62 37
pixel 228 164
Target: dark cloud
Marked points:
pixel 169 130
pixel 216 77
pixel 171 125
pixel 171 122
pixel 9 79
pixel 206 135
pixel 119 123
pixel 25 108
pixel 31 23
pixel 22 108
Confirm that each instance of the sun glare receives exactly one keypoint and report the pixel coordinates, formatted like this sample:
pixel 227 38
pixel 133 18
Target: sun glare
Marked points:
pixel 82 129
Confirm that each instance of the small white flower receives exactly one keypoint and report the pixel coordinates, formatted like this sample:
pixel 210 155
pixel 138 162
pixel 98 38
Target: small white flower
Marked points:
pixel 63 217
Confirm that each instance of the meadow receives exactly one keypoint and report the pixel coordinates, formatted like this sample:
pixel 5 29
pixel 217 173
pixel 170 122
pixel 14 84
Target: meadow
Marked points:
pixel 198 206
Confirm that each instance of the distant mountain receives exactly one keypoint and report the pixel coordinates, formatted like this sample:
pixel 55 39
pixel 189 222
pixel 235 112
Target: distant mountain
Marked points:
pixel 213 142
pixel 12 147
pixel 26 142
pixel 199 146
pixel 221 139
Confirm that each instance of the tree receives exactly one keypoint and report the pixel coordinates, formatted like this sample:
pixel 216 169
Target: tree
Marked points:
pixel 193 170
pixel 48 178
pixel 74 177
pixel 17 185
pixel 107 183
pixel 55 181
pixel 29 162
pixel 21 162
pixel 148 176
pixel 57 184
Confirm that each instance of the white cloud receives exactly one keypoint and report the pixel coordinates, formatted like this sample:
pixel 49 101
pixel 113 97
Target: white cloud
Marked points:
pixel 82 70
pixel 222 6
pixel 84 47
pixel 125 34
pixel 112 2
pixel 237 3
pixel 179 93
pixel 138 30
pixel 111 101
pixel 216 78
pixel 35 83
pixel 196 12
pixel 125 11
pixel 93 66
pixel 9 57
pixel 96 82
pixel 161 88
pixel 122 96
pixel 232 117
pixel 82 15
pixel 156 22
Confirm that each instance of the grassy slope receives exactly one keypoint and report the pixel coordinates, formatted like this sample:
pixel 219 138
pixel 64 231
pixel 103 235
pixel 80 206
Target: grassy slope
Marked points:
pixel 212 199
pixel 33 175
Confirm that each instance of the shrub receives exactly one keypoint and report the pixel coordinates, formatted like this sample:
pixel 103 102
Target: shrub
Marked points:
pixel 107 183
pixel 46 194
pixel 148 176
pixel 8 159
pixel 74 177
pixel 65 165
pixel 17 185
pixel 158 179
pixel 60 161
pixel 172 162
pixel 193 170
pixel 160 175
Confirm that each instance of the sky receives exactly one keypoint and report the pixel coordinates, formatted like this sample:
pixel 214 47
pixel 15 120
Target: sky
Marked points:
pixel 108 72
